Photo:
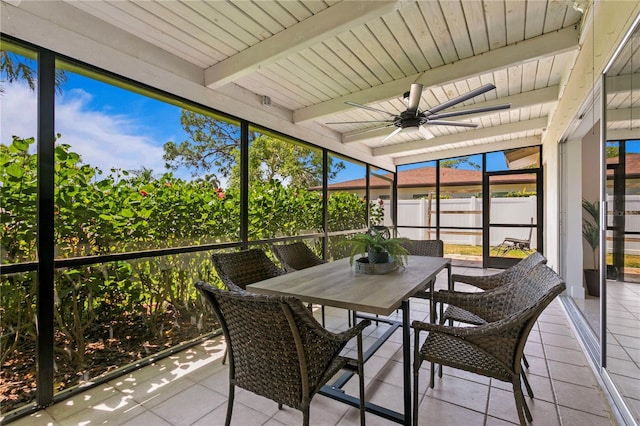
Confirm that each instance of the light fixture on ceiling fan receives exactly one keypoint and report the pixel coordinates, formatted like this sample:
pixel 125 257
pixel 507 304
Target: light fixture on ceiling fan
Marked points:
pixel 412 120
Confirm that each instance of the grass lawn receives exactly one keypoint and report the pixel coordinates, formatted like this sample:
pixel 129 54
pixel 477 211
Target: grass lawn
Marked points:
pixel 630 261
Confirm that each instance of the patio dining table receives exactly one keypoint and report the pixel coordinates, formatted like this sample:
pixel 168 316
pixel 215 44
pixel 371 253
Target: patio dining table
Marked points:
pixel 337 284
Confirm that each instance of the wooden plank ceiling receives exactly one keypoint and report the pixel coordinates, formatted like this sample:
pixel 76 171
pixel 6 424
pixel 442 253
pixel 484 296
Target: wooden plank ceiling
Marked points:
pixel 311 56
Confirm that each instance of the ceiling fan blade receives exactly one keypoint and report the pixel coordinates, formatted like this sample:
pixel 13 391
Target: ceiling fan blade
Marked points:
pixel 360 122
pixel 414 97
pixel 426 133
pixel 395 132
pixel 368 129
pixel 451 123
pixel 369 108
pixel 462 98
pixel 468 111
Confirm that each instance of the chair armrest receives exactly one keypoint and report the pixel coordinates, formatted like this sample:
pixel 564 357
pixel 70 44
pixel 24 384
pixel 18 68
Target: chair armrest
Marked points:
pixel 353 331
pixel 310 321
pixel 484 282
pixel 495 328
pixel 486 304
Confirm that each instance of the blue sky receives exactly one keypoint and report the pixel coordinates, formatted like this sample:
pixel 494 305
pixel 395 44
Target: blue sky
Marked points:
pixel 111 127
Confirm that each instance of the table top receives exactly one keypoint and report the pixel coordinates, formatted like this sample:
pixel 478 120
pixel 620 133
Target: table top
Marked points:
pixel 337 284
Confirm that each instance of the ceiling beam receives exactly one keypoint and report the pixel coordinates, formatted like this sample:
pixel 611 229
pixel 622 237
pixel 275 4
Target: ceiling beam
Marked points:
pixel 599 44
pixel 622 83
pixel 623 114
pixel 469 150
pixel 536 48
pixel 622 134
pixel 521 100
pixel 328 23
pixel 488 132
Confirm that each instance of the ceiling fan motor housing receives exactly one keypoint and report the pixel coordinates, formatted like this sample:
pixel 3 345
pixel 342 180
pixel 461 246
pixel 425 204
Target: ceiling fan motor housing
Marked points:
pixel 410 119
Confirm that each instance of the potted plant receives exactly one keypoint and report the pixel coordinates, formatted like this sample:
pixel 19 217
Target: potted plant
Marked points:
pixel 591 234
pixel 378 246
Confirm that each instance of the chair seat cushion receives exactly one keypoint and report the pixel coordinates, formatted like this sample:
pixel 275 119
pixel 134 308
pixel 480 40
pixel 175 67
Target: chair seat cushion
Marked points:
pixel 457 353
pixel 458 314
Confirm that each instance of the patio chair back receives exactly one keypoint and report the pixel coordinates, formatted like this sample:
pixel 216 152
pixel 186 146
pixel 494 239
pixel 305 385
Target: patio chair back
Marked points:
pixel 514 273
pixel 239 269
pixel 295 256
pixel 433 248
pixel 277 349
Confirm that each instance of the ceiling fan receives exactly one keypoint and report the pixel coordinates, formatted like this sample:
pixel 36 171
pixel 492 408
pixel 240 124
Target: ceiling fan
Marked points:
pixel 414 120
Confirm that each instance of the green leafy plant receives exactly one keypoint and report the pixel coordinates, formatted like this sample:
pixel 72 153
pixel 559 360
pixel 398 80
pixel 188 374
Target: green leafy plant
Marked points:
pixel 591 228
pixel 374 241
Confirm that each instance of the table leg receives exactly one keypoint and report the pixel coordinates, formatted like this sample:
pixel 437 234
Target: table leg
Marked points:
pixel 432 302
pixel 406 359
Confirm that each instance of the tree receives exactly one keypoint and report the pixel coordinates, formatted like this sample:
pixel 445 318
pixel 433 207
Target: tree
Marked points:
pixel 612 151
pixel 213 147
pixel 275 159
pixel 457 162
pixel 14 67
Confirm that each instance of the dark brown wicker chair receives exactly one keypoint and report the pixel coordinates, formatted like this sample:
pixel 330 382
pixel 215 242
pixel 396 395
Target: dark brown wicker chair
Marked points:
pixel 257 329
pixel 239 269
pixel 297 256
pixel 432 248
pixel 488 282
pixel 495 348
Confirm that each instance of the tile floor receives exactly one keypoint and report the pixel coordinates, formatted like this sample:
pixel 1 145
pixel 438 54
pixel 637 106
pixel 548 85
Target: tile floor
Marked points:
pixel 623 337
pixel 190 388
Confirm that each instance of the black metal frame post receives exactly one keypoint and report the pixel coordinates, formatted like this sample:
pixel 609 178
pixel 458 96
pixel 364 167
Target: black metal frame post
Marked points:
pixel 45 234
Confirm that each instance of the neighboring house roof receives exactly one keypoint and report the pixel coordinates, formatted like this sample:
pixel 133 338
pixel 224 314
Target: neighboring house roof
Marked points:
pixel 632 165
pixel 426 176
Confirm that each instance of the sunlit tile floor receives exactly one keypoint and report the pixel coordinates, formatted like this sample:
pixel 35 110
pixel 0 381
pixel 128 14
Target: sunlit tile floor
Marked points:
pixel 190 387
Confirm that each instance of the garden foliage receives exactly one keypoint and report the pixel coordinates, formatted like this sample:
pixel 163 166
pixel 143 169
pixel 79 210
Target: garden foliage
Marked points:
pixel 125 212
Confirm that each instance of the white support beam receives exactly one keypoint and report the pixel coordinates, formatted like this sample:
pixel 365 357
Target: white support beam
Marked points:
pixel 601 37
pixel 488 132
pixel 623 134
pixel 521 100
pixel 536 48
pixel 622 83
pixel 469 150
pixel 622 115
pixel 328 23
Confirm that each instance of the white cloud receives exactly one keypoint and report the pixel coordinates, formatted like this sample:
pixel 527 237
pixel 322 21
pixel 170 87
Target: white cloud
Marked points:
pixel 102 140
pixel 17 112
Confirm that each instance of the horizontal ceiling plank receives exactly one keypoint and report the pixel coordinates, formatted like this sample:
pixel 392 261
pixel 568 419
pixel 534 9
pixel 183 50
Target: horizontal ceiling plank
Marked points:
pixel 622 83
pixel 622 134
pixel 622 115
pixel 505 129
pixel 330 22
pixel 470 150
pixel 528 50
pixel 521 100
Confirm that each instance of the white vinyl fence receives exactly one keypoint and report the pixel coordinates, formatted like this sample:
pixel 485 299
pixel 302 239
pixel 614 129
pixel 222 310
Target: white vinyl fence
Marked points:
pixel 467 212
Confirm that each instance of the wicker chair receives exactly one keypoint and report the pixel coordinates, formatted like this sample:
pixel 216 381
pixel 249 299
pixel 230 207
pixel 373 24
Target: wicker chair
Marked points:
pixel 297 256
pixel 432 248
pixel 239 269
pixel 488 282
pixel 493 349
pixel 258 328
